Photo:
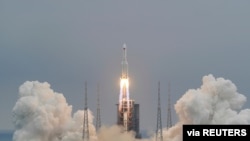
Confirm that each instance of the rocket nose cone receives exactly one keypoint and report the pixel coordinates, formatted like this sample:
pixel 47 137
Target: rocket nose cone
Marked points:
pixel 124 46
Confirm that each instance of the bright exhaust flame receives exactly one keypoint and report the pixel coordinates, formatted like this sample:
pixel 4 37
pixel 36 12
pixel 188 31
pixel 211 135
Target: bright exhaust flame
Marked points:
pixel 124 91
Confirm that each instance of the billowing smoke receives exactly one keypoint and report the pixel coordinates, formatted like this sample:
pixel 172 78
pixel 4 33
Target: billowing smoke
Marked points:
pixel 40 114
pixel 215 102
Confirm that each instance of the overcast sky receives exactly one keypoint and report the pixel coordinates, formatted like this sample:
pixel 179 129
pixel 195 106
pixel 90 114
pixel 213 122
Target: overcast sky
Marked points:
pixel 66 43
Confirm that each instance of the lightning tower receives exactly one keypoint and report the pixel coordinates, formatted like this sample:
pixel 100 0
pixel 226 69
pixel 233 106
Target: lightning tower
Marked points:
pixel 127 110
pixel 98 114
pixel 158 133
pixel 85 132
pixel 169 119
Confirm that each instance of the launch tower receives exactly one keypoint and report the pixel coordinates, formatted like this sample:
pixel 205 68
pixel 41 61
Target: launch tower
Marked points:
pixel 127 109
pixel 158 134
pixel 98 114
pixel 85 132
pixel 169 119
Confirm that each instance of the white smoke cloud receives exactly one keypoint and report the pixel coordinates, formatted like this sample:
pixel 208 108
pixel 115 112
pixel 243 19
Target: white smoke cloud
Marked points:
pixel 215 102
pixel 40 114
pixel 114 133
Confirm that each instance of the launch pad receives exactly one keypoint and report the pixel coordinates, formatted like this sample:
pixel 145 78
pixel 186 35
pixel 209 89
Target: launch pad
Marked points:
pixel 127 109
pixel 128 117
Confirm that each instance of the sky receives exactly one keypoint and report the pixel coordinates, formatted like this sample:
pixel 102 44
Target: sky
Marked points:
pixel 68 43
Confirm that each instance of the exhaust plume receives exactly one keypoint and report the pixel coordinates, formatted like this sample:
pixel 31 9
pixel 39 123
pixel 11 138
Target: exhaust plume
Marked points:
pixel 215 102
pixel 40 114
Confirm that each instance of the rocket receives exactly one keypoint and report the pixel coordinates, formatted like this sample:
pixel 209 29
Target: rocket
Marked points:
pixel 124 80
pixel 124 63
pixel 127 110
